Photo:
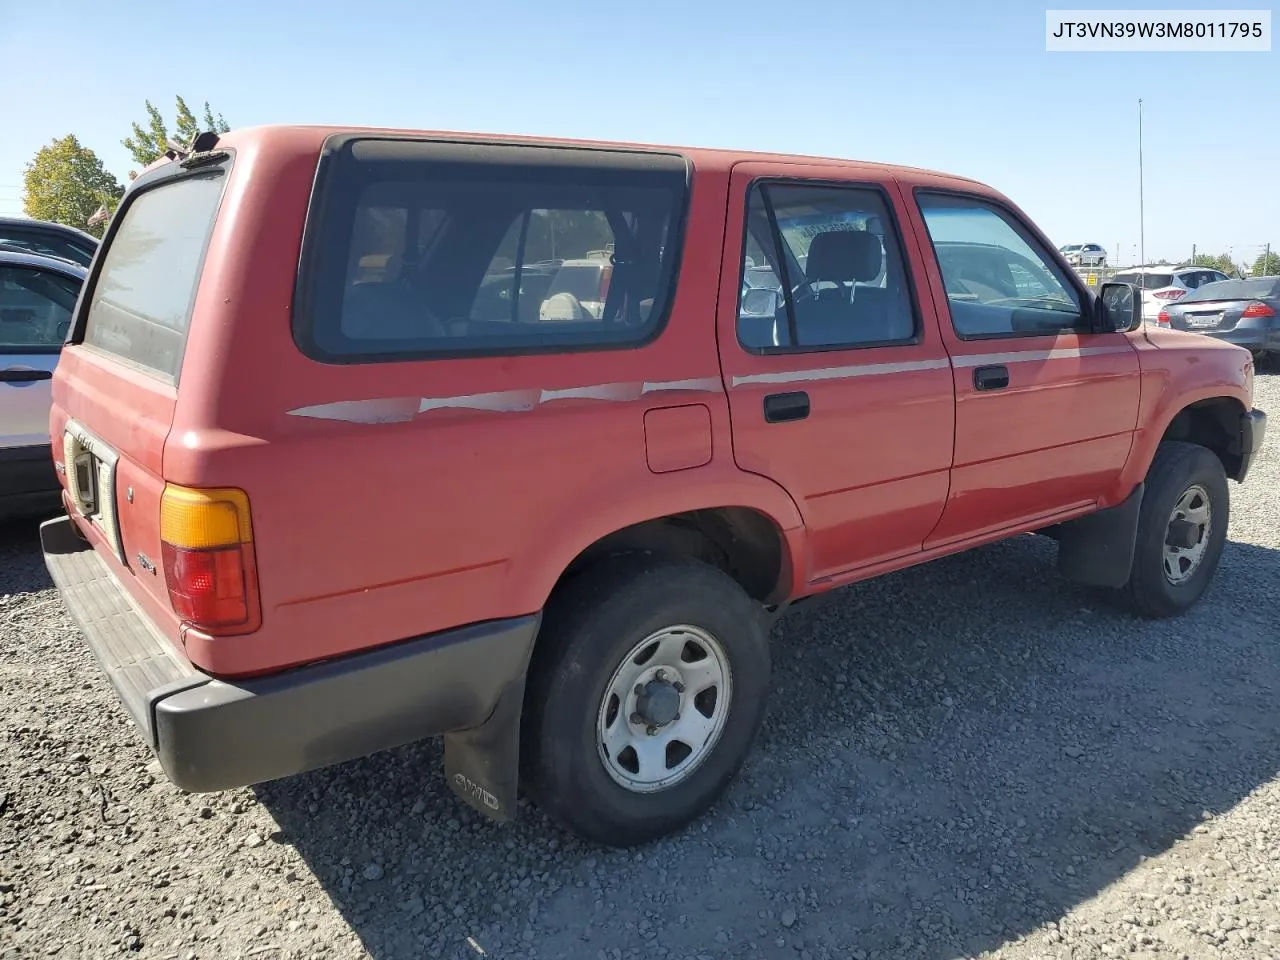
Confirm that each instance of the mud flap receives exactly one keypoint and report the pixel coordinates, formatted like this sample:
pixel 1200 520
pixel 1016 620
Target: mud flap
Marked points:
pixel 482 764
pixel 1097 550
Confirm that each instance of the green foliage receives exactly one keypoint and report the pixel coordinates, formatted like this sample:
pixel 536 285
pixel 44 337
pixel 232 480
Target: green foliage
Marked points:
pixel 66 183
pixel 150 141
pixel 1267 266
pixel 1219 261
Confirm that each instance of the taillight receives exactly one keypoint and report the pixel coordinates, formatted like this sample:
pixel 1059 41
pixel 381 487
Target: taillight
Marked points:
pixel 1258 309
pixel 1173 294
pixel 209 566
pixel 1162 318
pixel 605 276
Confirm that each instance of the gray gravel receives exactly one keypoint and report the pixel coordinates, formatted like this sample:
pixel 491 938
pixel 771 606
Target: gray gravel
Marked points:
pixel 971 758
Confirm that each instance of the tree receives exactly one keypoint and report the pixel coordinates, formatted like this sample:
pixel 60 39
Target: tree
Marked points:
pixel 1220 261
pixel 1267 265
pixel 149 142
pixel 66 183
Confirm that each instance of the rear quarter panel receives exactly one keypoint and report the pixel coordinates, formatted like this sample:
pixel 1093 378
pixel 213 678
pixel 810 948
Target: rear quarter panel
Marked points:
pixel 385 503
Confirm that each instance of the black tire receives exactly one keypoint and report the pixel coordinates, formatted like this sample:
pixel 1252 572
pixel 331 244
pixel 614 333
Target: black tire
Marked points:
pixel 1176 468
pixel 589 626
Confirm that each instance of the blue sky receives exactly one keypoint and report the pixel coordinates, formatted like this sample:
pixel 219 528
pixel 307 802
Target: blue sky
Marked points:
pixel 966 88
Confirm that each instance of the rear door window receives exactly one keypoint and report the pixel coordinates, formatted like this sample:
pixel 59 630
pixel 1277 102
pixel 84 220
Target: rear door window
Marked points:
pixel 418 249
pixel 140 304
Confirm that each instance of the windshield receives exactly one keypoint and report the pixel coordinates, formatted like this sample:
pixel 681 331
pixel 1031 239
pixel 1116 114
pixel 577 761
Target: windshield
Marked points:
pixel 1258 289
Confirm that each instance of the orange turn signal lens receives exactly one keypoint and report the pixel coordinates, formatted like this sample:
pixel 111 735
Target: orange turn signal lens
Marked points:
pixel 200 519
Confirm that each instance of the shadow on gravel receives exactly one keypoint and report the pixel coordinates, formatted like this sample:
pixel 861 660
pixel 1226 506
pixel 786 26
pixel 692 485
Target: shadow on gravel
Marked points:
pixel 955 755
pixel 22 568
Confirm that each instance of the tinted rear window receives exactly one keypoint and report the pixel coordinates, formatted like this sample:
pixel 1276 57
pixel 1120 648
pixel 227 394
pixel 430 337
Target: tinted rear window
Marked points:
pixel 419 249
pixel 1145 281
pixel 48 244
pixel 1235 290
pixel 140 306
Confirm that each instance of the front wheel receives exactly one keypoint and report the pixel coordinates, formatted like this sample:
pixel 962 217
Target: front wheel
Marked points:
pixel 647 689
pixel 1182 528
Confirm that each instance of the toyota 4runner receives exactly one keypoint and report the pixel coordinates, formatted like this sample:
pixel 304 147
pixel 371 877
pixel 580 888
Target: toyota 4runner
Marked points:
pixel 339 476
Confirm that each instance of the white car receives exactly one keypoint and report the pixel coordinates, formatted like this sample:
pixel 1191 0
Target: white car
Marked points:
pixel 37 295
pixel 1161 286
pixel 1084 254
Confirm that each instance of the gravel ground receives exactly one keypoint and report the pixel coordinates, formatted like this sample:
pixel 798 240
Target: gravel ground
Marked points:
pixel 973 758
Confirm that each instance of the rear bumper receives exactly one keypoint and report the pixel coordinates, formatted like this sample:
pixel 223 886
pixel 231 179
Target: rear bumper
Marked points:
pixel 1250 337
pixel 212 734
pixel 28 483
pixel 1253 432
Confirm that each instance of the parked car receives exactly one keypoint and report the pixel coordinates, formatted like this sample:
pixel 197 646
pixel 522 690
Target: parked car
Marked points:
pixel 1164 285
pixel 1243 312
pixel 48 239
pixel 1084 254
pixel 330 514
pixel 37 295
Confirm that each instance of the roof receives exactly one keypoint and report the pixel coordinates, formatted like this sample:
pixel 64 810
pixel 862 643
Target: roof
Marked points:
pixel 40 262
pixel 712 157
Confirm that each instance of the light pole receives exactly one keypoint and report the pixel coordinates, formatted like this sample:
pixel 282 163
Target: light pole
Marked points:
pixel 1142 221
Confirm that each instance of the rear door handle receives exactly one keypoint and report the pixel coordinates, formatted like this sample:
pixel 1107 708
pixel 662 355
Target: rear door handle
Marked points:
pixel 24 376
pixel 780 407
pixel 991 378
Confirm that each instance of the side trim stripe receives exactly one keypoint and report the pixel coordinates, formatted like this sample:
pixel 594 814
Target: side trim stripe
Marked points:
pixel 400 409
pixel 840 373
pixel 1025 356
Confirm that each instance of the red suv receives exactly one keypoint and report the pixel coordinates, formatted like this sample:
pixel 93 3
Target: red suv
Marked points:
pixel 339 476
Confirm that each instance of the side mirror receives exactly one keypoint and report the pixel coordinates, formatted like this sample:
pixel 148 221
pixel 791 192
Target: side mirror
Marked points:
pixel 1119 308
pixel 760 302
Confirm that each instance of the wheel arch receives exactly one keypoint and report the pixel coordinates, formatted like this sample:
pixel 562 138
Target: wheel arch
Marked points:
pixel 743 524
pixel 1211 417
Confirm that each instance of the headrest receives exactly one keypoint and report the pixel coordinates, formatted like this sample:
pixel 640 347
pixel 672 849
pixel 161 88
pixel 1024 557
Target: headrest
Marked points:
pixel 844 255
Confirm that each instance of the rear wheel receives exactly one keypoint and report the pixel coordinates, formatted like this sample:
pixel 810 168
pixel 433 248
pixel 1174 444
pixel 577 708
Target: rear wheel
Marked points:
pixel 1182 528
pixel 647 690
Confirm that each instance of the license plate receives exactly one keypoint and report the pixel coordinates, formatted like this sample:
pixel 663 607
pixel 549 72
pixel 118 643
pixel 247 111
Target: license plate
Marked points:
pixel 1203 319
pixel 91 479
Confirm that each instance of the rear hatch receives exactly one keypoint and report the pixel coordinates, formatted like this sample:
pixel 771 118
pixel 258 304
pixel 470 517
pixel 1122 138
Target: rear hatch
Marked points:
pixel 117 384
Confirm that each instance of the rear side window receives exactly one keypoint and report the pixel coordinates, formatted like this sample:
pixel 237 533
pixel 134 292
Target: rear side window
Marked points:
pixel 140 305
pixel 419 249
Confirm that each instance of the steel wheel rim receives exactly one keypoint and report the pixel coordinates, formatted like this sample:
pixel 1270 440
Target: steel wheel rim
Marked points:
pixel 643 757
pixel 1194 507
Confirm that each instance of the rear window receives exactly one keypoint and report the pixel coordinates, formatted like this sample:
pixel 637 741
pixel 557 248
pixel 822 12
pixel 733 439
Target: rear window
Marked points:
pixel 140 306
pixel 1145 281
pixel 1235 290
pixel 419 249
pixel 47 244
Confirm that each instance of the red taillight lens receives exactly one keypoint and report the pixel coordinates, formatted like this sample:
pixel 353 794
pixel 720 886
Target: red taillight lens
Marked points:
pixel 208 588
pixel 606 275
pixel 1163 317
pixel 1256 309
pixel 209 562
pixel 1169 294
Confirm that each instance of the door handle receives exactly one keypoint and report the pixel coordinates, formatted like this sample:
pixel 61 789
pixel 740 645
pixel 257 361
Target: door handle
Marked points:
pixel 780 407
pixel 24 376
pixel 991 378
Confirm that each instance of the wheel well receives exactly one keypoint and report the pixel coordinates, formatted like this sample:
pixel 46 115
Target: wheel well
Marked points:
pixel 742 542
pixel 1213 424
